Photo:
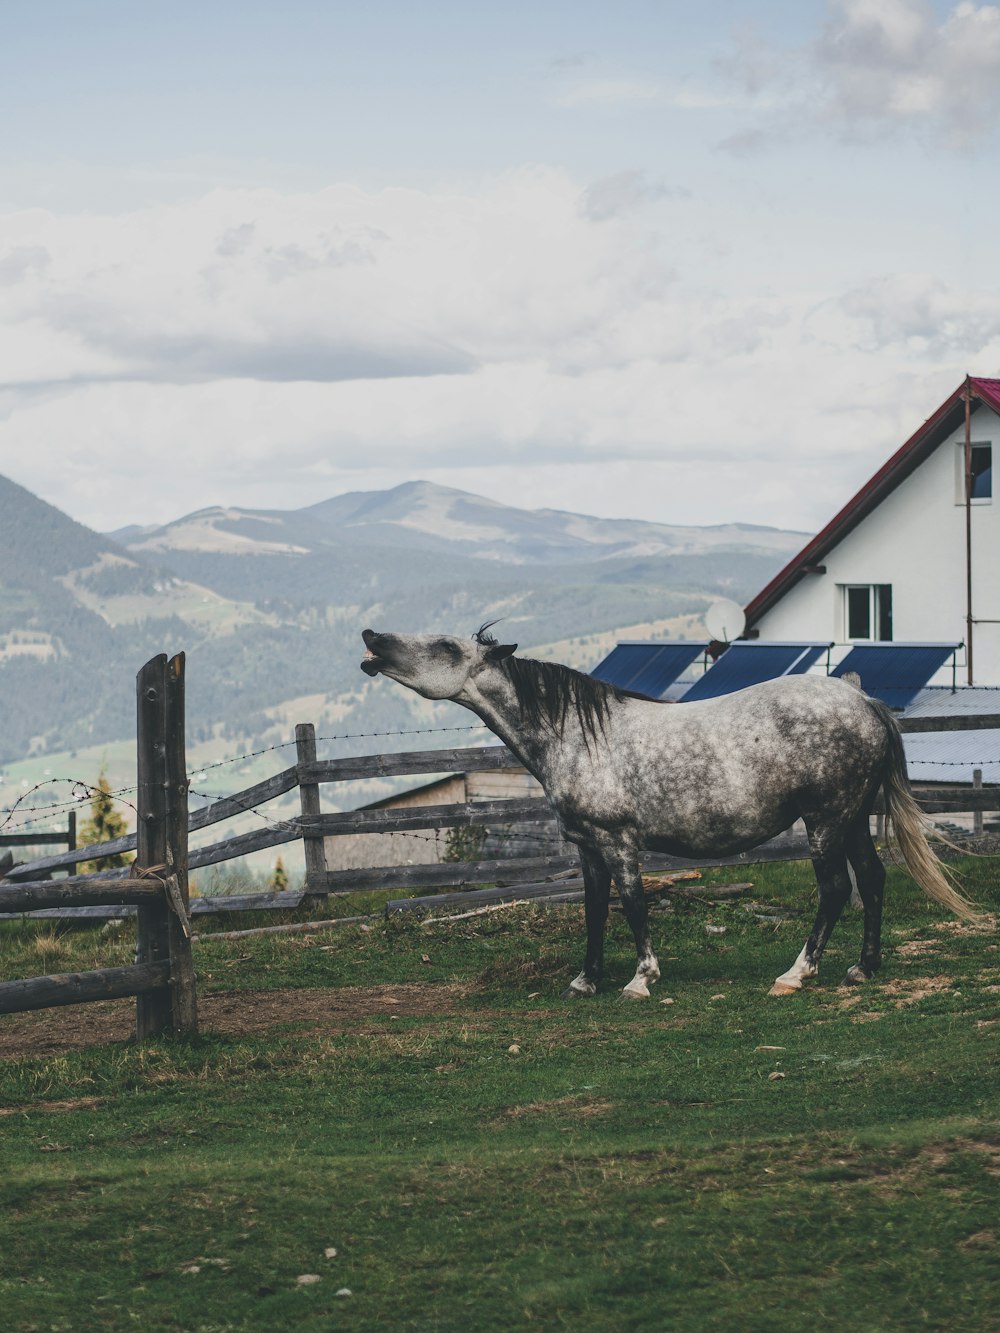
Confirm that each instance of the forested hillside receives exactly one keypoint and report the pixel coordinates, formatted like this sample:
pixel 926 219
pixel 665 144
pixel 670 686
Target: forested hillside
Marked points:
pixel 269 605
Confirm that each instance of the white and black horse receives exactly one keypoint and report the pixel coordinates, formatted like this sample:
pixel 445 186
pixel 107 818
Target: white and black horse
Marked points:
pixel 710 778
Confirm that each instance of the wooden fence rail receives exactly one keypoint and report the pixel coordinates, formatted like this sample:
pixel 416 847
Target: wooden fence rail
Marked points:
pixel 313 827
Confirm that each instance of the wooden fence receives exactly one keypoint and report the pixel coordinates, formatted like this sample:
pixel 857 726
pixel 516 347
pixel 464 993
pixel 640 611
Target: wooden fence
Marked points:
pixel 51 838
pixel 155 888
pixel 520 876
pixel 162 978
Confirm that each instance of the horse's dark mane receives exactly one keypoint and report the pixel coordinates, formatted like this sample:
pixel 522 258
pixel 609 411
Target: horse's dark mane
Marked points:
pixel 549 692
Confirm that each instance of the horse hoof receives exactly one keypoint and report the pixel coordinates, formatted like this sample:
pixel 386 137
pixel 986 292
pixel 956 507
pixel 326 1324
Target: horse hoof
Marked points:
pixel 856 976
pixel 629 994
pixel 783 988
pixel 574 993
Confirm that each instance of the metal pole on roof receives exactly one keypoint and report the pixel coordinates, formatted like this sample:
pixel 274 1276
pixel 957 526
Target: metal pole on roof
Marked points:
pixel 967 395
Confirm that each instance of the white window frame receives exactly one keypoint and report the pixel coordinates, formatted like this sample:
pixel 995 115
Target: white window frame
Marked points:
pixel 874 591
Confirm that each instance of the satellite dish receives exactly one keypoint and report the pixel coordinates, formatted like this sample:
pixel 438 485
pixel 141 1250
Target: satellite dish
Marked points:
pixel 725 620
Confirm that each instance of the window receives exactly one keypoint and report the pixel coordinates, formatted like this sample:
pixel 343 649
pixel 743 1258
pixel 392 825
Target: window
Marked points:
pixel 982 473
pixel 868 611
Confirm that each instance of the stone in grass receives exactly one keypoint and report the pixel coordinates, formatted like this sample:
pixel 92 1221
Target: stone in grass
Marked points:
pixel 514 1049
pixel 307 1279
pixel 330 1252
pixel 344 1291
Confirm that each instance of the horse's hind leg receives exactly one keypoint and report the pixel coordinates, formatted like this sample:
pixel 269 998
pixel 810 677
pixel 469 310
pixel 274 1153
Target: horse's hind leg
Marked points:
pixel 869 873
pixel 624 866
pixel 597 893
pixel 830 864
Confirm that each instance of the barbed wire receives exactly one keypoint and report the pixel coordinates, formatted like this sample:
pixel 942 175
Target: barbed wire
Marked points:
pixel 341 736
pixel 954 763
pixel 86 792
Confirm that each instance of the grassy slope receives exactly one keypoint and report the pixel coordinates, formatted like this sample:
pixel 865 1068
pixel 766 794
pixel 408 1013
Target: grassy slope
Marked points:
pixel 630 1164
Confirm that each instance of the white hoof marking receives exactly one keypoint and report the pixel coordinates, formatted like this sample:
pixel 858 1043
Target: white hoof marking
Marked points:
pixel 792 980
pixel 780 988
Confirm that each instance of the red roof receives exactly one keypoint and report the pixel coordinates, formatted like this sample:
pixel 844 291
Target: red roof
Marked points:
pixel 904 461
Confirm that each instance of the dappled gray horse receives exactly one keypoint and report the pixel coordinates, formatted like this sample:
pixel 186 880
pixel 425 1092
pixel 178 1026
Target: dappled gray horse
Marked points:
pixel 624 773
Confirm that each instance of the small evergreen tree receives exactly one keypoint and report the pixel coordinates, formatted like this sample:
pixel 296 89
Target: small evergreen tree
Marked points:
pixel 464 844
pixel 105 823
pixel 279 880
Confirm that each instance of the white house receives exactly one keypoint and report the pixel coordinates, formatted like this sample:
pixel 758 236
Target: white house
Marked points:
pixel 909 558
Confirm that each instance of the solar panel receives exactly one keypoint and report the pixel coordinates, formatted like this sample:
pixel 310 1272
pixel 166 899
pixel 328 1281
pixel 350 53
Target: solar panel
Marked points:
pixel 648 668
pixel 744 664
pixel 895 672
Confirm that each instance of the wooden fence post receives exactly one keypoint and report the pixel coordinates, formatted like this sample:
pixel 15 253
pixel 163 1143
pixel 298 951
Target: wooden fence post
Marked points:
pixel 315 845
pixel 163 932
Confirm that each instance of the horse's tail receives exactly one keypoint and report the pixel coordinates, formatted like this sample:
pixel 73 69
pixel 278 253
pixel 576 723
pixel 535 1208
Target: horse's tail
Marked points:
pixel 907 826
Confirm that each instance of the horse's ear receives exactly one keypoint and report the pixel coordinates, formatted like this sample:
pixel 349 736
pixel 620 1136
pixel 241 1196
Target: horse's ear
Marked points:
pixel 499 651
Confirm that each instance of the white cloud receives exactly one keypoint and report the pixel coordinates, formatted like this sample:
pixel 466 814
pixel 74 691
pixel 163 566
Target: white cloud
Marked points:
pixel 879 67
pixel 923 314
pixel 263 349
pixel 624 192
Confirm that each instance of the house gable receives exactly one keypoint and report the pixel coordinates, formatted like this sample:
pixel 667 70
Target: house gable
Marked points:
pixel 949 417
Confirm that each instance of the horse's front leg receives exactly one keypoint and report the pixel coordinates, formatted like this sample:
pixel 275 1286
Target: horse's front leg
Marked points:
pixel 597 893
pixel 623 862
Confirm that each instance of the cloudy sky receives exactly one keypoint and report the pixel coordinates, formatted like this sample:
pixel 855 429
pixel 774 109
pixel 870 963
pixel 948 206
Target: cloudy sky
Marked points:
pixel 690 263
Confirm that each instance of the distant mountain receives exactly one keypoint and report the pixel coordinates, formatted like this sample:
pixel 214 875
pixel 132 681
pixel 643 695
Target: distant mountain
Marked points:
pixel 269 605
pixel 421 515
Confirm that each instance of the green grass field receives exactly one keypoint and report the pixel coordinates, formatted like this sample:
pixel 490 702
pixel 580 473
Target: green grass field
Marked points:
pixel 423 1136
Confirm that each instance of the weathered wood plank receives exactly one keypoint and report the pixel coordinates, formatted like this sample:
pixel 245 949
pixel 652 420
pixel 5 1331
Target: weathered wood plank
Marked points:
pixel 244 843
pixel 242 902
pixel 35 840
pixel 153 1010
pixel 449 873
pixel 62 893
pixel 249 902
pixel 33 869
pixel 71 914
pixel 950 722
pixel 471 759
pixel 959 800
pixel 183 991
pixel 401 818
pixel 313 845
pixel 110 983
pixel 242 801
pixel 556 891
pixel 474 897
pixel 295 928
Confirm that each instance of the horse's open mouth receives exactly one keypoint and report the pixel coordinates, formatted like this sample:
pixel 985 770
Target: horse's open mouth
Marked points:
pixel 372 664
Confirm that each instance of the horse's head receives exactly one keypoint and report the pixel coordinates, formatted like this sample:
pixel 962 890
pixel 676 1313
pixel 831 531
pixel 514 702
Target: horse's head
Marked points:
pixel 434 665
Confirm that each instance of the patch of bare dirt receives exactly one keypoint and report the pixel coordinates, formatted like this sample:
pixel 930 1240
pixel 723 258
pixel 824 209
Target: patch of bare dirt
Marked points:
pixel 985 924
pixel 981 1240
pixel 338 1009
pixel 74 1104
pixel 916 948
pixel 909 990
pixel 562 1104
